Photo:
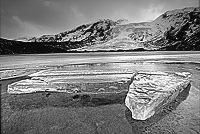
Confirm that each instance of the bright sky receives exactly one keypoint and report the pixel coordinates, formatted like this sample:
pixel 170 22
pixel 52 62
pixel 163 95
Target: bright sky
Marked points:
pixel 37 17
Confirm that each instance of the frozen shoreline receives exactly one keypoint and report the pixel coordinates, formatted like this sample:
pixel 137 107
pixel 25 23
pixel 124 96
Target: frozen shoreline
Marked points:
pixel 182 116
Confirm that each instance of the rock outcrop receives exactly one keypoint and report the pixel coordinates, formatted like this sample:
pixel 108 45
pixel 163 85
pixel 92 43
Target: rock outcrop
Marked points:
pixel 149 92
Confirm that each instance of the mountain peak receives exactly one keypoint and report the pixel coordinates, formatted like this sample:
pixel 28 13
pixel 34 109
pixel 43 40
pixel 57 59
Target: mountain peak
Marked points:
pixel 26 39
pixel 122 21
pixel 179 25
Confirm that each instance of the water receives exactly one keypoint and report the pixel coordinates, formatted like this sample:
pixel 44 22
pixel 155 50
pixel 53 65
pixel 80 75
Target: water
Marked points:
pixel 109 63
pixel 26 60
pixel 182 116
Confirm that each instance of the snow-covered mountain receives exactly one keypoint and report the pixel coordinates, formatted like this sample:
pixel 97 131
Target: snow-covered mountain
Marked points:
pixel 93 32
pixel 177 28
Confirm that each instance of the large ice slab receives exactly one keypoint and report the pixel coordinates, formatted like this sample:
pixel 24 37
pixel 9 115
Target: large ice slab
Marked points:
pixel 149 92
pixel 72 82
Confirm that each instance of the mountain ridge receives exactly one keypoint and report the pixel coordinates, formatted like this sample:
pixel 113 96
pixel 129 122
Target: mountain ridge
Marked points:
pixel 108 35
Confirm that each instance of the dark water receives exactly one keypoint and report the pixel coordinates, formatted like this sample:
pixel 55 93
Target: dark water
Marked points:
pixel 181 117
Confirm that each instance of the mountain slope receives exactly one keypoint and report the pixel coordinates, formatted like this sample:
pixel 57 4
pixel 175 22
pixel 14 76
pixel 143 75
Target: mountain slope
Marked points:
pixel 18 47
pixel 181 31
pixel 174 30
pixel 97 31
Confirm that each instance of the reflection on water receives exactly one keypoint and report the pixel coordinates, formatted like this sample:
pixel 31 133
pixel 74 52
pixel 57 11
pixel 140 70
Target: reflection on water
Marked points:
pixel 140 126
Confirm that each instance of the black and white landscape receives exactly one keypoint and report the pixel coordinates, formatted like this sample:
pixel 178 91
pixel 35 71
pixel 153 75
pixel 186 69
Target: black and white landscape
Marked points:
pixel 64 68
pixel 174 30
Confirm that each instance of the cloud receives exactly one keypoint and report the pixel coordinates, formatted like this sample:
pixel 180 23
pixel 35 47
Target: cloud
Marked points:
pixel 26 28
pixel 76 12
pixel 47 3
pixel 23 23
pixel 152 12
pixel 34 17
pixel 120 14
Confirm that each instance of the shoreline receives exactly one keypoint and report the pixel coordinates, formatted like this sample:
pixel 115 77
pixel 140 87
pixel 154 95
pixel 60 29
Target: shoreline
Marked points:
pixel 54 106
pixel 100 51
pixel 58 113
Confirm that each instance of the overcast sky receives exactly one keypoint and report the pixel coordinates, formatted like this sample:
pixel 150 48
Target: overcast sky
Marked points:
pixel 37 17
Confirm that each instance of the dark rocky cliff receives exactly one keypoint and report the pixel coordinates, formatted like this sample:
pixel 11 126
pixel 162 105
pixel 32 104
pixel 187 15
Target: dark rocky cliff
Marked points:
pixel 186 36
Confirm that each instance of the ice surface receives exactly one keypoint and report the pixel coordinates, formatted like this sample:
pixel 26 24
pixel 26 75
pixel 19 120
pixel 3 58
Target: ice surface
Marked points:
pixel 150 91
pixel 72 82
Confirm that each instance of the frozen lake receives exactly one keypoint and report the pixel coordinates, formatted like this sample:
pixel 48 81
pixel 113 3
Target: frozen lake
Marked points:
pixel 54 59
pixel 98 67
